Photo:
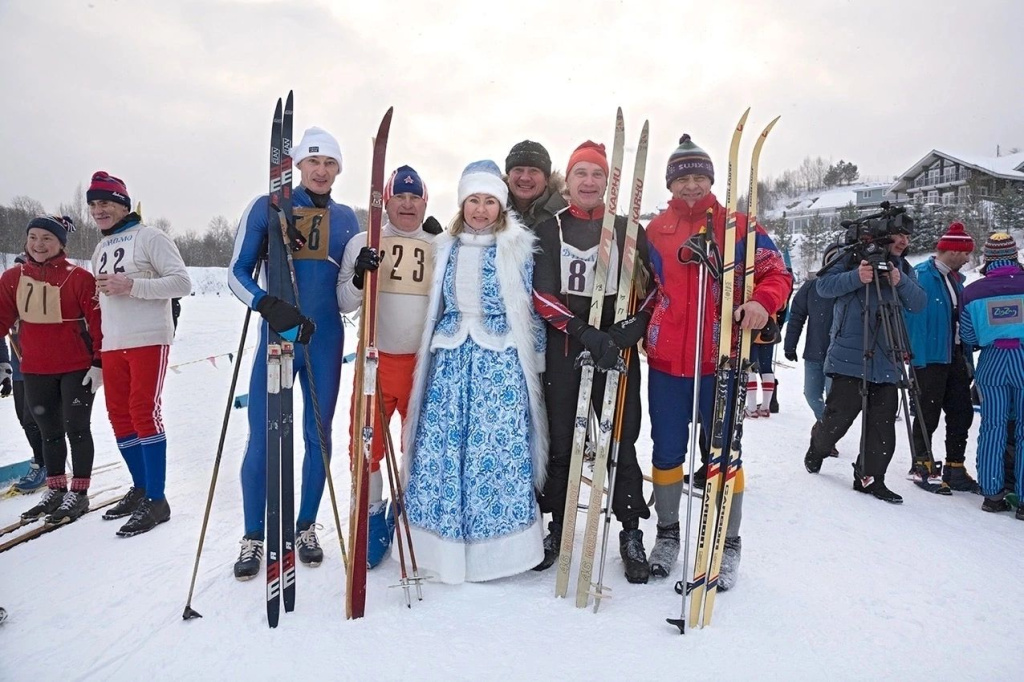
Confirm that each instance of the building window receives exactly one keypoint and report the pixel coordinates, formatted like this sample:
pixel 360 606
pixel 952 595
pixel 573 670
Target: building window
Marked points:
pixel 933 176
pixel 948 198
pixel 982 190
pixel 933 197
pixel 965 173
pixel 961 194
pixel 949 174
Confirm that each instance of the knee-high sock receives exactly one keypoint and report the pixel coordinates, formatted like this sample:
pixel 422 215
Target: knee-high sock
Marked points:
pixel 736 513
pixel 131 450
pixel 752 394
pixel 668 490
pixel 154 452
pixel 767 388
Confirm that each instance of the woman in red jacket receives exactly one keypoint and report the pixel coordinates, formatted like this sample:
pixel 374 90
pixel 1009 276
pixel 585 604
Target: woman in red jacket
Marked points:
pixel 52 302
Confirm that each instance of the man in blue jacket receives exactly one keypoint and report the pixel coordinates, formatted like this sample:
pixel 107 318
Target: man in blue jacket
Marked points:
pixel 851 284
pixel 327 226
pixel 941 363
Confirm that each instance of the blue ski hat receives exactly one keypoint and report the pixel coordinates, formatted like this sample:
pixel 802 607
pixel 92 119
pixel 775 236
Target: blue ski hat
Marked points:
pixel 405 180
pixel 482 177
pixel 60 226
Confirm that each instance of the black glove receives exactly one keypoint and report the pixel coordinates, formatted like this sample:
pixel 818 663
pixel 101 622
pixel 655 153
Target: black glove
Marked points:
pixel 628 332
pixel 602 349
pixel 368 260
pixel 285 319
pixel 790 355
pixel 431 226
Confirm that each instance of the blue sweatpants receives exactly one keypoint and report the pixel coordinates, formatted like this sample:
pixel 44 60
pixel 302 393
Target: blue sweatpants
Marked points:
pixel 670 404
pixel 327 360
pixel 1000 380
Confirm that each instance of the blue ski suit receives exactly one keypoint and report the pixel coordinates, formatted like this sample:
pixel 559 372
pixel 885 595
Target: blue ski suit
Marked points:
pixel 327 232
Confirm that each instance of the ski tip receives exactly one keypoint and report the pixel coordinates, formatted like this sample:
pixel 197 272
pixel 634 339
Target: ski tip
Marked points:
pixel 771 124
pixel 289 101
pixel 743 119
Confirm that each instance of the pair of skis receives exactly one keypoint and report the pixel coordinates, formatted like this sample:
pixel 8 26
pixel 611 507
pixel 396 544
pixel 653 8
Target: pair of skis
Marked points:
pixel 613 400
pixel 733 368
pixel 46 527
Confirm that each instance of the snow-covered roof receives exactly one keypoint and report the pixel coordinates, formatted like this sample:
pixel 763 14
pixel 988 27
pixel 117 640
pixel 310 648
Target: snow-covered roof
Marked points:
pixel 1008 167
pixel 828 200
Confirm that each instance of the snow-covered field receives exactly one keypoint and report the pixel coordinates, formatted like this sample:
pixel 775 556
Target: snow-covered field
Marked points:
pixel 833 584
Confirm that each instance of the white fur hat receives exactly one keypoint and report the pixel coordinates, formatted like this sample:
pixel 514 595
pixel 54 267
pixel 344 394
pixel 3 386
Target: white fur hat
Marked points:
pixel 483 177
pixel 316 142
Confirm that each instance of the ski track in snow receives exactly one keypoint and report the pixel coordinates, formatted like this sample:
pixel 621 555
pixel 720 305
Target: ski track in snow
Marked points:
pixel 832 584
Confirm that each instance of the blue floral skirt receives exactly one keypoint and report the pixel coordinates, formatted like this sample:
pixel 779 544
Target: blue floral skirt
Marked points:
pixel 470 496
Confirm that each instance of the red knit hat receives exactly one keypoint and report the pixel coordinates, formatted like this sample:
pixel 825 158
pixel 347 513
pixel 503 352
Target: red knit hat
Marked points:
pixel 105 187
pixel 956 239
pixel 589 151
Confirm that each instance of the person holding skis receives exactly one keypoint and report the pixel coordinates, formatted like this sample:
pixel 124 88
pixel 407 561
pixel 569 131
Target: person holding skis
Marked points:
pixel 535 193
pixel 404 287
pixel 563 279
pixel 671 340
pixel 327 227
pixel 476 428
pixel 992 318
pixel 138 271
pixel 52 302
pixel 942 365
pixel 853 367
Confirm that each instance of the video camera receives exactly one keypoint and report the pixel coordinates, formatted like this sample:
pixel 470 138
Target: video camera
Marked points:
pixel 867 237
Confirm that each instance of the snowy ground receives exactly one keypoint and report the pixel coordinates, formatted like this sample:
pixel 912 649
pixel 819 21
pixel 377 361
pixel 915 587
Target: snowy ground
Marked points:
pixel 833 584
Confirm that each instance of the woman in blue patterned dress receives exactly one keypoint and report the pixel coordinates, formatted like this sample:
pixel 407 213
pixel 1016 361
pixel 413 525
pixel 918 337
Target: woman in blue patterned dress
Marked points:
pixel 476 421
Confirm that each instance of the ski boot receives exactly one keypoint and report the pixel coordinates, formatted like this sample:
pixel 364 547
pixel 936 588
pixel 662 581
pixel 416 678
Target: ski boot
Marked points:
pixel 700 477
pixel 763 413
pixel 996 504
pixel 812 462
pixel 552 546
pixel 310 552
pixel 730 563
pixel 751 413
pixel 955 475
pixel 30 482
pixel 147 516
pixel 665 551
pixel 631 549
pixel 127 506
pixel 1020 513
pixel 875 486
pixel 380 529
pixel 51 500
pixel 74 504
pixel 250 558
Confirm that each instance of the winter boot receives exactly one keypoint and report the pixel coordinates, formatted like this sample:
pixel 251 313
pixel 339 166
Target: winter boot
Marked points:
pixel 751 413
pixel 763 413
pixel 631 549
pixel 127 506
pixel 552 546
pixel 700 477
pixel 51 500
pixel 250 558
pixel 996 504
pixel 147 516
pixel 379 532
pixel 666 551
pixel 32 481
pixel 955 475
pixel 1020 513
pixel 812 462
pixel 74 504
pixel 310 552
pixel 730 563
pixel 874 486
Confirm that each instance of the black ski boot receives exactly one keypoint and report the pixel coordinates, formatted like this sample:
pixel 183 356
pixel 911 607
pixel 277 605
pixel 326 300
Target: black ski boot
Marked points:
pixel 127 506
pixel 250 558
pixel 730 563
pixel 147 516
pixel 665 551
pixel 812 462
pixel 631 549
pixel 1020 513
pixel 74 504
pixel 51 500
pixel 955 475
pixel 875 487
pixel 997 504
pixel 310 552
pixel 700 477
pixel 552 546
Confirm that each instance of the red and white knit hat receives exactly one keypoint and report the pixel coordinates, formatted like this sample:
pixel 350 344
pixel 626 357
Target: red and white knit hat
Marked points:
pixel 956 239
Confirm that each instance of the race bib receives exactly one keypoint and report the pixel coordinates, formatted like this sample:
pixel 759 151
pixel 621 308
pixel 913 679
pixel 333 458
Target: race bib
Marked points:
pixel 38 302
pixel 117 256
pixel 406 265
pixel 315 226
pixel 578 270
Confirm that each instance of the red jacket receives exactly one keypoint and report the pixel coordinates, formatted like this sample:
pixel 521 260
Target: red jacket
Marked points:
pixel 672 334
pixel 52 343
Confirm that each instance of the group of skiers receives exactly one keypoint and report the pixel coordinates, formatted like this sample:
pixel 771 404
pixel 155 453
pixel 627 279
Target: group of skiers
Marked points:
pixel 480 325
pixel 74 330
pixel 854 346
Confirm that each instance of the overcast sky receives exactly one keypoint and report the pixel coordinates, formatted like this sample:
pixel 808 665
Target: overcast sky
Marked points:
pixel 176 97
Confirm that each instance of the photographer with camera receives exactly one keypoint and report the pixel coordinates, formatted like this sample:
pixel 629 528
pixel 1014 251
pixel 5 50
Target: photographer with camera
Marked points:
pixel 870 285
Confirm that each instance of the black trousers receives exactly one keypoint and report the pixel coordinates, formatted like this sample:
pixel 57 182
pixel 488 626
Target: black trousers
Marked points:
pixel 28 423
pixel 945 388
pixel 561 391
pixel 62 406
pixel 843 405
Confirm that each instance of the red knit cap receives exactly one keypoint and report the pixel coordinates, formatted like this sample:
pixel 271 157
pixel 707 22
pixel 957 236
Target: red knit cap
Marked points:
pixel 589 151
pixel 105 187
pixel 956 239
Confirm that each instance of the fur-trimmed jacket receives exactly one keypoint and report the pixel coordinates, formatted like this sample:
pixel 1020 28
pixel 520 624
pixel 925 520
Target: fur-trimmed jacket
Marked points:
pixel 549 204
pixel 514 273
